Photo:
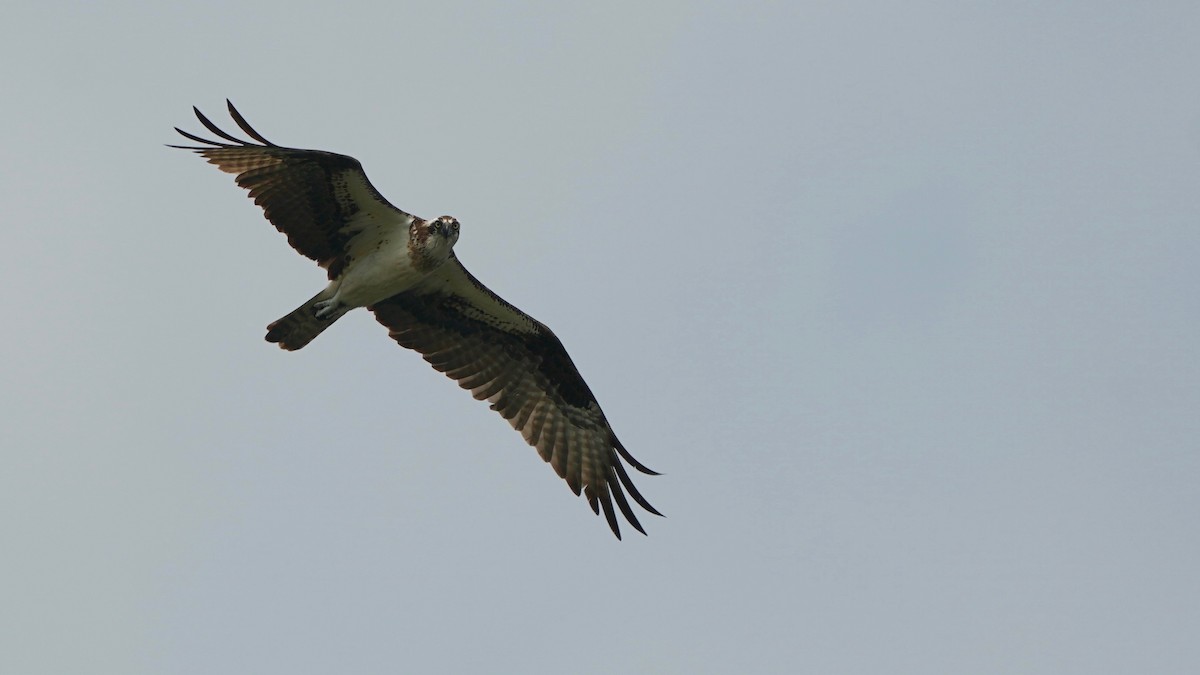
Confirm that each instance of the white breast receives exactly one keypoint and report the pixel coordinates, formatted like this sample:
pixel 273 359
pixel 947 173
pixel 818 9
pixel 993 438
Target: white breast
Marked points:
pixel 380 274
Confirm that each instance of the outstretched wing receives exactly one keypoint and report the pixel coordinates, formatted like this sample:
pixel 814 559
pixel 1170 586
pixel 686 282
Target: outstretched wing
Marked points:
pixel 509 359
pixel 322 201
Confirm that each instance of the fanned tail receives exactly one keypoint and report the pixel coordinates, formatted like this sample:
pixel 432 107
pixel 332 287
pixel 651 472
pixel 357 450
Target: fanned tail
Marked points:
pixel 302 325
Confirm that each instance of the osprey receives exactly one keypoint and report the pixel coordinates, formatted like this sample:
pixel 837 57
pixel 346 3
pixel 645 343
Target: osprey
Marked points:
pixel 404 270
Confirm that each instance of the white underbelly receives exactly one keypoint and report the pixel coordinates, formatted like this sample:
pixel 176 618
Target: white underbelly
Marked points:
pixel 376 277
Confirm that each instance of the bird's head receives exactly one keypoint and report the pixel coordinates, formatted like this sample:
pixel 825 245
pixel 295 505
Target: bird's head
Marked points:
pixel 433 240
pixel 445 227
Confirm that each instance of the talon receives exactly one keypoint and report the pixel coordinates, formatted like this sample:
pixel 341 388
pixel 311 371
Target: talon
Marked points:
pixel 325 308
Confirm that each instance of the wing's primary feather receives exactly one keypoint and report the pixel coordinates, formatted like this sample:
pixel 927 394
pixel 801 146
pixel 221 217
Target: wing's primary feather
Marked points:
pixel 321 200
pixel 511 360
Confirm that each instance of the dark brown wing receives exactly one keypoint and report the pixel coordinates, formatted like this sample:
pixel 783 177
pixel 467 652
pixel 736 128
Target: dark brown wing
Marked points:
pixel 507 358
pixel 322 201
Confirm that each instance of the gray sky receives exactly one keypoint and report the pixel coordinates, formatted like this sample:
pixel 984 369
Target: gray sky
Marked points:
pixel 902 298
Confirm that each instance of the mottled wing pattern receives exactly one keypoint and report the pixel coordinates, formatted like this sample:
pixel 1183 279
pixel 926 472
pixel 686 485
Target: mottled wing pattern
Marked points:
pixel 509 359
pixel 322 201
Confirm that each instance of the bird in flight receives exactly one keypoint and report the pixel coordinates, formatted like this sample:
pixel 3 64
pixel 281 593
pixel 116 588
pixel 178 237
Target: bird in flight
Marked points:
pixel 404 270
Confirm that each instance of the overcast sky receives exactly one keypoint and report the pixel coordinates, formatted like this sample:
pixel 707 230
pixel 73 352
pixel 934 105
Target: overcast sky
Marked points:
pixel 903 300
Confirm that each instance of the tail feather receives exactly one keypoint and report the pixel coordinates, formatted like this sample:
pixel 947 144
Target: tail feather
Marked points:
pixel 302 325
